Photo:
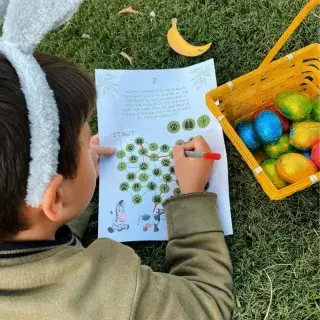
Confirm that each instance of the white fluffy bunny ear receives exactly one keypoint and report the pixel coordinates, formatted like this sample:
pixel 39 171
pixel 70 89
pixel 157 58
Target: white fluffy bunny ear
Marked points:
pixel 3 9
pixel 28 21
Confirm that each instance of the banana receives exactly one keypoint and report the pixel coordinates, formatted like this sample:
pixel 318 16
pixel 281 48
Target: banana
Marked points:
pixel 181 46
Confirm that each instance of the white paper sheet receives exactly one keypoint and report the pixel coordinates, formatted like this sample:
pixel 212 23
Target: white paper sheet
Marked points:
pixel 144 114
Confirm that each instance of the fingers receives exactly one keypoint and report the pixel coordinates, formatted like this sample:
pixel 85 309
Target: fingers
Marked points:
pixel 197 144
pixel 95 157
pixel 103 151
pixel 189 146
pixel 95 139
pixel 178 153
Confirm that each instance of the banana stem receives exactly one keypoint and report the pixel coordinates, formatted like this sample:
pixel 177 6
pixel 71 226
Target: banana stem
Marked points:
pixel 174 22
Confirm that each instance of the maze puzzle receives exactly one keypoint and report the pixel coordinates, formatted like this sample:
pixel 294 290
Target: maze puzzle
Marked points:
pixel 147 168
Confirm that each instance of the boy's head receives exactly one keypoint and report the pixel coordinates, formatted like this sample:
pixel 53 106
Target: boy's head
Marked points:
pixel 71 189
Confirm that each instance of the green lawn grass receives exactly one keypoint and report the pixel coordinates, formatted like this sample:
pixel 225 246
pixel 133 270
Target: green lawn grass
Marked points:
pixel 275 247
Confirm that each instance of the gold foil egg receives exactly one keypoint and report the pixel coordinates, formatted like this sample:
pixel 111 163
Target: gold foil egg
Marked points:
pixel 269 168
pixel 305 135
pixel 294 105
pixel 293 167
pixel 275 150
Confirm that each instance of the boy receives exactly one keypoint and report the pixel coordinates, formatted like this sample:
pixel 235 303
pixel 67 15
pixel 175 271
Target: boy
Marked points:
pixel 45 273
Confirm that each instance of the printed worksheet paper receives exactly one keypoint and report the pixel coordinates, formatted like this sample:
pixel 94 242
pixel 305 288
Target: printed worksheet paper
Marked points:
pixel 144 113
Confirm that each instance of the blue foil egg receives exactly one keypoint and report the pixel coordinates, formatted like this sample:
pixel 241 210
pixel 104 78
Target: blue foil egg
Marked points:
pixel 306 154
pixel 267 127
pixel 247 135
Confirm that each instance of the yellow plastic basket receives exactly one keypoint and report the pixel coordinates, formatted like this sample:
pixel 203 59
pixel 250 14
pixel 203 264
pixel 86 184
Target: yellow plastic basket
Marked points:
pixel 239 99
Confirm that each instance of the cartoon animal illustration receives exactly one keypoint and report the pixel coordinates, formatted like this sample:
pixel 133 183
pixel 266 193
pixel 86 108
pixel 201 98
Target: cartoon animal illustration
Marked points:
pixel 119 218
pixel 152 220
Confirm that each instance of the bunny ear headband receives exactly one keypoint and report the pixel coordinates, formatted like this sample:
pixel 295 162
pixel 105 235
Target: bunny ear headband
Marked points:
pixel 26 22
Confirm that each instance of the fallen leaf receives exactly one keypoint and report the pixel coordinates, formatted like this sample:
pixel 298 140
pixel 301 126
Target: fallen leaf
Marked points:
pixel 126 56
pixel 129 10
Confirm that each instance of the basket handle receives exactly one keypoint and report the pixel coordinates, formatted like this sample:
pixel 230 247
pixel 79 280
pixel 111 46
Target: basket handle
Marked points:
pixel 286 35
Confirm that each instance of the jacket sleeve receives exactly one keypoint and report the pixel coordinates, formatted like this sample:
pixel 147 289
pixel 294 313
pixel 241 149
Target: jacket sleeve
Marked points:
pixel 200 280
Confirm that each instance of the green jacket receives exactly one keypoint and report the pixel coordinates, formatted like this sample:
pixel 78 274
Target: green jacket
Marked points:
pixel 62 280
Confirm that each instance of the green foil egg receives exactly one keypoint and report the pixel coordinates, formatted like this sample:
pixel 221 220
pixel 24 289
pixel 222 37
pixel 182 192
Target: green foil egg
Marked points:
pixel 294 105
pixel 282 146
pixel 269 168
pixel 316 108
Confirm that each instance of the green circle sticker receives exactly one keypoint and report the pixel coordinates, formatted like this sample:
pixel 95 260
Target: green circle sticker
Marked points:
pixel 133 159
pixel 143 151
pixel 143 177
pixel 137 199
pixel 130 147
pixel 171 155
pixel 165 148
pixel 153 146
pixel 121 154
pixel 176 191
pixel 203 121
pixel 122 166
pixel 143 166
pixel 166 162
pixel 180 142
pixel 157 172
pixel 139 141
pixel 167 178
pixel 124 186
pixel 154 157
pixel 136 187
pixel 188 124
pixel 152 186
pixel 131 176
pixel 190 139
pixel 171 169
pixel 207 186
pixel 157 199
pixel 164 188
pixel 173 126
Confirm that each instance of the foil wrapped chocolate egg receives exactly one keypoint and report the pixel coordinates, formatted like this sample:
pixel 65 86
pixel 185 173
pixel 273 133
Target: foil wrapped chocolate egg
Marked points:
pixel 305 135
pixel 316 108
pixel 294 105
pixel 309 118
pixel 307 154
pixel 267 127
pixel 285 122
pixel 269 168
pixel 315 154
pixel 248 136
pixel 282 146
pixel 293 167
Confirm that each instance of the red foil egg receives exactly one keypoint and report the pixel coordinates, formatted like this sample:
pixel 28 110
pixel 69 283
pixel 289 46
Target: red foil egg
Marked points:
pixel 315 154
pixel 285 122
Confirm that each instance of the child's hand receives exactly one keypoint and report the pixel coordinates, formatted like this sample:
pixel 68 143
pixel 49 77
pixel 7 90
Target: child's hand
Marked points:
pixel 192 174
pixel 97 151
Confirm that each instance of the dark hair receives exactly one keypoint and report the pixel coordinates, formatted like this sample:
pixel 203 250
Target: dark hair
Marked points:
pixel 75 95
